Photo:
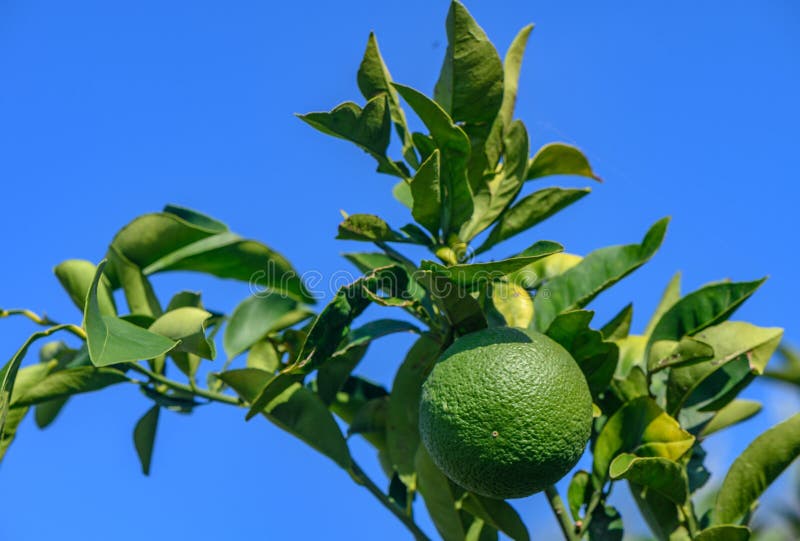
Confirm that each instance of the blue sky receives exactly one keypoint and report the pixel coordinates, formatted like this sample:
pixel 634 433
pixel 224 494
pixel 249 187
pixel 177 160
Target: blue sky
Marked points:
pixel 109 110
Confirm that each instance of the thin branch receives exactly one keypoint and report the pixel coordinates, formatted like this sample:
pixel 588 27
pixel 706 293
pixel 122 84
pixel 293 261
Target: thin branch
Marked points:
pixel 203 393
pixel 361 478
pixel 560 511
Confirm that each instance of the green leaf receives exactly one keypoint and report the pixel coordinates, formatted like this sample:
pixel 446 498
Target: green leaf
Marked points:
pixel 295 409
pixel 139 292
pixel 144 435
pixel 374 79
pixel 728 532
pixel 476 274
pixel 47 412
pixel 8 375
pixel 620 325
pixel 370 228
pixel 370 419
pixel 662 516
pixel 559 159
pixel 455 147
pixel 462 310
pixel 529 211
pixel 11 418
pixel 669 353
pixel 606 524
pixel 741 350
pixel 76 277
pixel 440 500
pixel 67 382
pixel 426 194
pixel 733 413
pixel 369 128
pixel 497 513
pixel 598 271
pixel 671 295
pixel 403 416
pixel 513 303
pixel 166 241
pixel 263 356
pixel 334 372
pixel 662 475
pixel 596 357
pixel 642 428
pixel 707 306
pixel 187 325
pixel 540 271
pixel 112 340
pixel 755 469
pixel 256 317
pixel 789 372
pixel 578 493
pixel 512 65
pixel 470 85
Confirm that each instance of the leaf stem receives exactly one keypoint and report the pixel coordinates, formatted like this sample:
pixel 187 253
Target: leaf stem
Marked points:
pixel 203 393
pixel 361 478
pixel 44 321
pixel 593 502
pixel 560 511
pixel 691 522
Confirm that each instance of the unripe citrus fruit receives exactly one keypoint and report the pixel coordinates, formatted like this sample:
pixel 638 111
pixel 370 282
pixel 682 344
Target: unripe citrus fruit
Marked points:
pixel 505 412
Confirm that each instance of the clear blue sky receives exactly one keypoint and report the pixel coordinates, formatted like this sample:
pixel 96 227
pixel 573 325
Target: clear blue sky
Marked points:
pixel 111 109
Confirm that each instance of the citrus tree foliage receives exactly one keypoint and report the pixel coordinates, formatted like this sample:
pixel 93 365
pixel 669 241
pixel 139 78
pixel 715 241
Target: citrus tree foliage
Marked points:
pixel 470 181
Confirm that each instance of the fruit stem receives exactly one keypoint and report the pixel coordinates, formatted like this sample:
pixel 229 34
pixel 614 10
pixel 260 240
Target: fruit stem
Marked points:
pixel 557 504
pixel 361 478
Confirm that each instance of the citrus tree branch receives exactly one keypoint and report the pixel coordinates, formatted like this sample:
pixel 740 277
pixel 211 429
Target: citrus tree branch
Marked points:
pixel 554 499
pixel 203 393
pixel 361 478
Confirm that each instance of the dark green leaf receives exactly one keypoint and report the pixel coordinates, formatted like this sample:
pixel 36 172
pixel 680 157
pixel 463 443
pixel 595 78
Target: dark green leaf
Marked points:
pixel 606 524
pixel 67 382
pixel 439 497
pixel 497 513
pixel 598 271
pixel 8 374
pixel 426 194
pixel 335 371
pixel 620 325
pixel 403 415
pixel 707 306
pixel 256 317
pixel 473 275
pixel 755 469
pixel 662 475
pixel 293 408
pixel 76 277
pixel 662 515
pixel 144 435
pixel 470 85
pixel 529 211
pixel 370 418
pixel 185 299
pixel 369 128
pixel 461 309
pixel 198 219
pixel 455 147
pixel 596 357
pixel 374 79
pixel 139 292
pixel 559 159
pixel 11 418
pixel 367 227
pixel 112 340
pixel 47 412
pixel 166 241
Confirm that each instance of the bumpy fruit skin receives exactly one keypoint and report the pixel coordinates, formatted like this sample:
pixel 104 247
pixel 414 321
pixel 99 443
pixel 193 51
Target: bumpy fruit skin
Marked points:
pixel 505 412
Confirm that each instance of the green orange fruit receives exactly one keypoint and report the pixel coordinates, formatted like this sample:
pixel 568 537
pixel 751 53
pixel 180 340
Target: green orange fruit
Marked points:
pixel 505 412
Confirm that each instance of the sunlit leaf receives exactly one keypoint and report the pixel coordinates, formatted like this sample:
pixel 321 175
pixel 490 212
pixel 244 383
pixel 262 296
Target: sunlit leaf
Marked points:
pixel 662 475
pixel 598 271
pixel 755 469
pixel 728 532
pixel 256 317
pixel 187 325
pixel 559 159
pixel 735 412
pixel 76 277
